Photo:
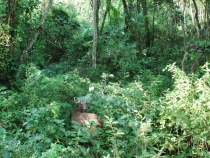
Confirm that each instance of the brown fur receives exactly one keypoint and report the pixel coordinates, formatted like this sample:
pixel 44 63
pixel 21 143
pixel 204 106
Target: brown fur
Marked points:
pixel 82 118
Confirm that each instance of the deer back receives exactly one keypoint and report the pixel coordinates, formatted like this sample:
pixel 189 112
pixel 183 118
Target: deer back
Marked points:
pixel 85 118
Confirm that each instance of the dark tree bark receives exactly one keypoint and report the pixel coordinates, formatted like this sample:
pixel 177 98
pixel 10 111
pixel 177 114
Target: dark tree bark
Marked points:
pixel 105 14
pixel 95 35
pixel 153 23
pixel 97 13
pixel 146 23
pixel 138 44
pixel 196 15
pixel 127 16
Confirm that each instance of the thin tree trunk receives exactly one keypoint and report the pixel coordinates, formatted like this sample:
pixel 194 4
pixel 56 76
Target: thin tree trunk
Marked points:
pixel 104 18
pixel 196 15
pixel 127 17
pixel 37 31
pixel 208 11
pixel 153 23
pixel 191 12
pixel 137 36
pixel 43 6
pixel 95 35
pixel 184 32
pixel 11 15
pixel 97 15
pixel 184 22
pixel 146 23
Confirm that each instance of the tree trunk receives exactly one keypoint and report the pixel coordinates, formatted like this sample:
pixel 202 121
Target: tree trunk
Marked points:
pixel 11 8
pixel 208 11
pixel 43 6
pixel 146 23
pixel 184 22
pixel 6 75
pixel 153 23
pixel 184 32
pixel 29 46
pixel 105 14
pixel 196 15
pixel 95 35
pixel 191 12
pixel 137 36
pixel 127 17
pixel 97 15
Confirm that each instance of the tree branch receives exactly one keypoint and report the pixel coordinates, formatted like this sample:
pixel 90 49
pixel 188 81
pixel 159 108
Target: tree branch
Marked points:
pixel 104 18
pixel 37 31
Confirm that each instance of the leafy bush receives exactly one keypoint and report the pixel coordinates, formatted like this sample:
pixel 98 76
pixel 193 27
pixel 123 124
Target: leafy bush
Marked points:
pixel 39 115
pixel 184 119
pixel 127 119
pixel 137 122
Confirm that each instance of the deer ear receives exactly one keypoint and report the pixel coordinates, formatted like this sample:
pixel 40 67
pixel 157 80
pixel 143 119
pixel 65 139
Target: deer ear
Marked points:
pixel 76 100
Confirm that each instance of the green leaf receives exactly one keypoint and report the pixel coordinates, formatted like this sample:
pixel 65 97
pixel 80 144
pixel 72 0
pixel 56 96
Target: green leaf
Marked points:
pixel 2 88
pixel 58 121
pixel 109 98
pixel 6 154
pixel 39 137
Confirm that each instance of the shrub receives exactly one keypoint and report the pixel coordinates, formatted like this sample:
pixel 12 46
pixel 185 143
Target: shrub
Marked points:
pixel 184 119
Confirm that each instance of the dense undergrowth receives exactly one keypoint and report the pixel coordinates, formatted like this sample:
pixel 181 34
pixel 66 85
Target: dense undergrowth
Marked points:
pixel 140 119
pixel 147 112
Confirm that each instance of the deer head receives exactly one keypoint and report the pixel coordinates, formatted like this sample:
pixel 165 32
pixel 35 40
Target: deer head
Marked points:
pixel 82 107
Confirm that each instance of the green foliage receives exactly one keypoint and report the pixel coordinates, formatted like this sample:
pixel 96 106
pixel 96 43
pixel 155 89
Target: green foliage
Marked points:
pixel 117 55
pixel 56 38
pixel 16 28
pixel 136 121
pixel 145 112
pixel 184 116
pixel 56 150
pixel 34 118
pixel 4 56
pixel 39 89
pixel 197 53
pixel 127 119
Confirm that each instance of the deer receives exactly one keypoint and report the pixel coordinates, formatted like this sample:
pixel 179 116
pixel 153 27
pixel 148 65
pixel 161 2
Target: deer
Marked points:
pixel 82 118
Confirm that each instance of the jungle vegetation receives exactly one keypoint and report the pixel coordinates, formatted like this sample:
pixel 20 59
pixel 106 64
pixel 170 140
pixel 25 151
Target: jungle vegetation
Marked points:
pixel 142 66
